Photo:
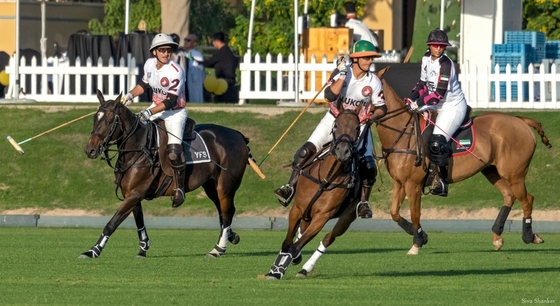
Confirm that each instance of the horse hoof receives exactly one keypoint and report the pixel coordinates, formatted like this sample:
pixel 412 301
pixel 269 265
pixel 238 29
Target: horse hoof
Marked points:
pixel 413 250
pixel 212 255
pixel 537 239
pixel 88 254
pixel 141 254
pixel 273 276
pixel 296 261
pixel 498 244
pixel 234 238
pixel 302 274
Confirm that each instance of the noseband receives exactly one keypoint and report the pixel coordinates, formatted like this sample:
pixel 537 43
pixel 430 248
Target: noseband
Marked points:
pixel 346 138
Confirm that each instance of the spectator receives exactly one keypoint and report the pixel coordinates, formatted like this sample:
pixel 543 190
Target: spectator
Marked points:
pixel 360 30
pixel 195 69
pixel 225 65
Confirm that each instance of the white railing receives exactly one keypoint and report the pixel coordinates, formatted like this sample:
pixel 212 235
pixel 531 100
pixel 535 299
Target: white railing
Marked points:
pixel 60 82
pixel 274 78
pixel 538 90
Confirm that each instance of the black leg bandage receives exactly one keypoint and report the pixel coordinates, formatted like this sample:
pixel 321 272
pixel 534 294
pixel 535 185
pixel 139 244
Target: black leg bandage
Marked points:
pixel 527 230
pixel 498 227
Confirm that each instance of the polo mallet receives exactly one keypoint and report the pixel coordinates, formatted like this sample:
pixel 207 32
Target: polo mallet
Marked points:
pixel 294 122
pixel 17 145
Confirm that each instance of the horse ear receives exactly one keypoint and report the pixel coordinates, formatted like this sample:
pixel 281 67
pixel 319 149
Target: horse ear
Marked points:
pixel 119 98
pixel 100 97
pixel 382 72
pixel 339 106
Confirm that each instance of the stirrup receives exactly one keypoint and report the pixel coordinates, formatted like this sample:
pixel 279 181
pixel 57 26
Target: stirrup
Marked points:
pixel 363 211
pixel 176 202
pixel 282 193
pixel 440 189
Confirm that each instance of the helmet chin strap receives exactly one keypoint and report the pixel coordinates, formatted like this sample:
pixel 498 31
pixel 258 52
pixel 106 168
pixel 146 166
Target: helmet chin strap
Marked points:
pixel 356 62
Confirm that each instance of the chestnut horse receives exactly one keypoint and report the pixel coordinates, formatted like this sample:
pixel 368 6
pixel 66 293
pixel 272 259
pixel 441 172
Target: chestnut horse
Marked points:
pixel 142 171
pixel 328 187
pixel 503 150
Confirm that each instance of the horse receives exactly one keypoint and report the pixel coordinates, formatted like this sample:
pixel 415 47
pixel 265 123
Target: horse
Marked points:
pixel 142 169
pixel 502 151
pixel 328 187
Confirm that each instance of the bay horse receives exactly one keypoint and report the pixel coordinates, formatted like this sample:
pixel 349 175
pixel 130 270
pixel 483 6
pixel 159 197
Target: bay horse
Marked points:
pixel 502 151
pixel 328 187
pixel 142 170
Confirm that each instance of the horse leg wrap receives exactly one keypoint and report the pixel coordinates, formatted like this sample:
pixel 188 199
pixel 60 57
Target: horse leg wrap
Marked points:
pixel 143 239
pixel 406 226
pixel 498 227
pixel 98 247
pixel 528 230
pixel 280 265
pixel 310 263
pixel 420 237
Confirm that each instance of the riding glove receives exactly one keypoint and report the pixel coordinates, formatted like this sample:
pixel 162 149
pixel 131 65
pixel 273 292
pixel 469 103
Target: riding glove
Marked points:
pixel 341 64
pixel 411 105
pixel 145 115
pixel 127 99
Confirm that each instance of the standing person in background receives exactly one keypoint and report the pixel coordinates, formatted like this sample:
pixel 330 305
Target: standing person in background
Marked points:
pixel 360 30
pixel 166 78
pixel 195 69
pixel 225 65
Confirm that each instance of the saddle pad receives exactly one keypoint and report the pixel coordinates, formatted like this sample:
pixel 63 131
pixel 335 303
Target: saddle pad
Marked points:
pixel 466 139
pixel 196 150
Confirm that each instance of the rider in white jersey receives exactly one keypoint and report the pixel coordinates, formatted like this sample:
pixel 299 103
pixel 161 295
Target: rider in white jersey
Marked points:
pixel 166 79
pixel 359 86
pixel 439 90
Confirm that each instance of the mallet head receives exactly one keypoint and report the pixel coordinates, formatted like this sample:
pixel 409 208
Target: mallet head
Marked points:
pixel 15 145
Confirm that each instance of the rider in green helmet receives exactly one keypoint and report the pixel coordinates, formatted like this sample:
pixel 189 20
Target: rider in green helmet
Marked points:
pixel 351 84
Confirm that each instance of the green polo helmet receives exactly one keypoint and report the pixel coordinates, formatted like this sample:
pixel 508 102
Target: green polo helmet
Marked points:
pixel 364 48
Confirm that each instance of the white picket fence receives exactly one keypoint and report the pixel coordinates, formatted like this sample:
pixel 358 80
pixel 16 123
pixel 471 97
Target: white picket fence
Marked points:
pixel 60 82
pixel 273 77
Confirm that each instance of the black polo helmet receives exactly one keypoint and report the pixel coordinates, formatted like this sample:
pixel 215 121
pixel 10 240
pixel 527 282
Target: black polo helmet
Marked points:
pixel 437 37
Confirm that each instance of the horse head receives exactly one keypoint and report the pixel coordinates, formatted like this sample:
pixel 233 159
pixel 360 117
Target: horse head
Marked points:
pixel 108 126
pixel 345 131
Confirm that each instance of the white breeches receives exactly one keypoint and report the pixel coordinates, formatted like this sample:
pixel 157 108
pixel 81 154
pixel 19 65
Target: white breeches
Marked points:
pixel 322 134
pixel 449 119
pixel 174 123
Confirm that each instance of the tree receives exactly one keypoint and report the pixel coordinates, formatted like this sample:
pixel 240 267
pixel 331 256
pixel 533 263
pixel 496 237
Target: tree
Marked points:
pixel 273 26
pixel 542 16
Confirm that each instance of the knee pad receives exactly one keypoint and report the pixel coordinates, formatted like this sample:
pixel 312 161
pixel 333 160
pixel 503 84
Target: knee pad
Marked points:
pixel 176 155
pixel 439 150
pixel 303 154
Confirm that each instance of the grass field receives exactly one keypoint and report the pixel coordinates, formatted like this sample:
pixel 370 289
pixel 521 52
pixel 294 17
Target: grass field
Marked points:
pixel 41 266
pixel 55 173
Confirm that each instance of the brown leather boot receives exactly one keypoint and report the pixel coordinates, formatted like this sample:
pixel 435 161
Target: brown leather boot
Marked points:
pixel 178 163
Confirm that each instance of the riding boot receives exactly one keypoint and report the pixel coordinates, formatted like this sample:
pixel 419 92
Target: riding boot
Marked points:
pixel 286 192
pixel 368 172
pixel 440 154
pixel 178 163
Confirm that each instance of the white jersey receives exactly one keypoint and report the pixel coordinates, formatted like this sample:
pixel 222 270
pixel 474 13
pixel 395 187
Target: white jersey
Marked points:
pixel 441 73
pixel 361 31
pixel 367 91
pixel 170 79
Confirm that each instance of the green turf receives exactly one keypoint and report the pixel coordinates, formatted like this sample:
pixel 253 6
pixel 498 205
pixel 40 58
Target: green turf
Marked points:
pixel 41 266
pixel 55 172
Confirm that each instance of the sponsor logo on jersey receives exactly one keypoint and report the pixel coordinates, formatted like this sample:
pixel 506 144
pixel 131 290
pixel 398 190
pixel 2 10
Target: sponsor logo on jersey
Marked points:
pixel 164 82
pixel 367 91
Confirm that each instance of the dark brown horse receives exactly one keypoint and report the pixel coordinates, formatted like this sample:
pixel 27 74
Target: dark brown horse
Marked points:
pixel 142 169
pixel 504 148
pixel 327 188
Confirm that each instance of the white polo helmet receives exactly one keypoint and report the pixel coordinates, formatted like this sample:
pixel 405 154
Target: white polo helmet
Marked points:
pixel 163 40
